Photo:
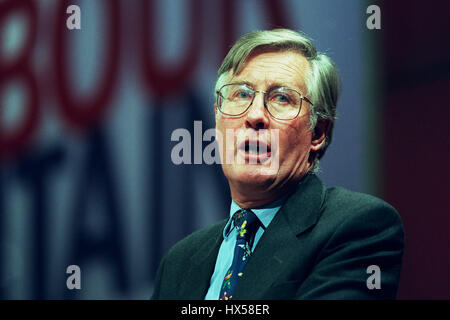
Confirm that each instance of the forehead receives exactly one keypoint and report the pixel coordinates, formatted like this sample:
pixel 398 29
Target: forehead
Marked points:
pixel 268 69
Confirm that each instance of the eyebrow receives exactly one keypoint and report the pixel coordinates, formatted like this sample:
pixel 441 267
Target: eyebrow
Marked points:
pixel 247 83
pixel 271 86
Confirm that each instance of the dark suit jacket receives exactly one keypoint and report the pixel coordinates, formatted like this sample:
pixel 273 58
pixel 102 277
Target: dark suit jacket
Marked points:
pixel 318 246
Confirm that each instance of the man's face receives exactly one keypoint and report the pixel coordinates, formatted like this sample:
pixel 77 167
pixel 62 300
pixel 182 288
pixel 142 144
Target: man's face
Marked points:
pixel 264 71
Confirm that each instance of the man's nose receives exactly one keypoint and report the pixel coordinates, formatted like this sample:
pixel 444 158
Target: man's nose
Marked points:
pixel 257 117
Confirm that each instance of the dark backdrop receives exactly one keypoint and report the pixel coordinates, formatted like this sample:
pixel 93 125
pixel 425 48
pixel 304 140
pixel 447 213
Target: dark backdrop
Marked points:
pixel 416 155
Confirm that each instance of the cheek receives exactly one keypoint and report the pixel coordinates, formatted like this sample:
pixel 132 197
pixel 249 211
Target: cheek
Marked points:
pixel 225 124
pixel 225 129
pixel 295 142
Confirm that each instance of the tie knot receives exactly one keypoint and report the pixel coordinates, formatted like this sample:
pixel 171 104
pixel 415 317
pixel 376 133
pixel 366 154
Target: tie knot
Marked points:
pixel 246 223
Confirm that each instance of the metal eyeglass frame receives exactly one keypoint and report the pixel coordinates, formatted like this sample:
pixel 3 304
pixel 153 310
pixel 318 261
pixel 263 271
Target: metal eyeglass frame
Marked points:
pixel 302 97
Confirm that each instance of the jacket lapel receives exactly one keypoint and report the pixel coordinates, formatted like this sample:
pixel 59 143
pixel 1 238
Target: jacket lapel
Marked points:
pixel 201 267
pixel 279 242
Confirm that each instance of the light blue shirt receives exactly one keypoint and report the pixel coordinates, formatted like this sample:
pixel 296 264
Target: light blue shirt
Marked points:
pixel 226 252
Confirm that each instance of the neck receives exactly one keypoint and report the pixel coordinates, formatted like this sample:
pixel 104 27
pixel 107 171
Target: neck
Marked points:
pixel 249 198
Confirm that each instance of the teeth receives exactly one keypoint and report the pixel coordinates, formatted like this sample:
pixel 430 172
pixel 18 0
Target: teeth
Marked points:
pixel 254 148
pixel 251 147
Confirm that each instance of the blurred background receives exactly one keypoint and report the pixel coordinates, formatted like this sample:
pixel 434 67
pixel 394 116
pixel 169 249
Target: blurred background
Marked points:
pixel 86 117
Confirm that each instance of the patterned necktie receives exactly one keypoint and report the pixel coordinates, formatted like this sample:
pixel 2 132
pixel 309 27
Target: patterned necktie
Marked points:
pixel 246 224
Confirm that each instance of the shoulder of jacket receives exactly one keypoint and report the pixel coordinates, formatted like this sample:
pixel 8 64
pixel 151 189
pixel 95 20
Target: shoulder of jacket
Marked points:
pixel 189 244
pixel 341 198
pixel 343 206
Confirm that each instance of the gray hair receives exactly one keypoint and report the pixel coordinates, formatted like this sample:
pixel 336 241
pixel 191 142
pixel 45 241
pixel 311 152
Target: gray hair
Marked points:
pixel 322 82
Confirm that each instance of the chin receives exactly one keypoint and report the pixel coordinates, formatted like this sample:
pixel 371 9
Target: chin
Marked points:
pixel 256 175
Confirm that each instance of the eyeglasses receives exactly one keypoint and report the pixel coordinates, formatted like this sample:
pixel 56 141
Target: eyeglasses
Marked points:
pixel 281 103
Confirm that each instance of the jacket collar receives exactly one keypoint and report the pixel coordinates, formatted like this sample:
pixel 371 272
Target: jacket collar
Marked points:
pixel 275 249
pixel 201 266
pixel 302 209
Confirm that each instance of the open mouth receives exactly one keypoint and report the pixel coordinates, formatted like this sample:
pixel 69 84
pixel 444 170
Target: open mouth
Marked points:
pixel 255 151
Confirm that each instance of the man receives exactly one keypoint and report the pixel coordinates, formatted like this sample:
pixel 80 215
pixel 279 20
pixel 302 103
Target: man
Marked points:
pixel 288 235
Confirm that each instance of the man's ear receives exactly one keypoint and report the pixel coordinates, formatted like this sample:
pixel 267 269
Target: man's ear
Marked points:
pixel 320 133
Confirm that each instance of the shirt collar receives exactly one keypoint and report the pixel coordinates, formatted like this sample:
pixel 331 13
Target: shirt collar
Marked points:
pixel 265 214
